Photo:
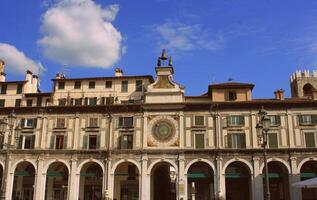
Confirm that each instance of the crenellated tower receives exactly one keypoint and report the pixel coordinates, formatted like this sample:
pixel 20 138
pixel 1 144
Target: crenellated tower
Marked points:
pixel 303 83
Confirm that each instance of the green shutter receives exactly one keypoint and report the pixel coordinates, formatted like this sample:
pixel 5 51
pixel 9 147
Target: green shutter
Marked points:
pixel 314 119
pixel 22 123
pixel 300 119
pixel 229 120
pixel 229 141
pixel 35 123
pixel 65 142
pixel 98 141
pixel 273 140
pixel 32 141
pixel 52 142
pixel 310 139
pixel 200 141
pixel 85 142
pixel 20 142
pixel 277 119
pixel 242 136
pixel 241 120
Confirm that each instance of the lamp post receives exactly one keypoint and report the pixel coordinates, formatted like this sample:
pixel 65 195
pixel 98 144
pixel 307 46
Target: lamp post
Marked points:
pixel 3 127
pixel 262 128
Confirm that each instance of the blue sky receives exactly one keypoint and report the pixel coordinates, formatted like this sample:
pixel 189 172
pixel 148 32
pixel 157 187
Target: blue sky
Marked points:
pixel 262 42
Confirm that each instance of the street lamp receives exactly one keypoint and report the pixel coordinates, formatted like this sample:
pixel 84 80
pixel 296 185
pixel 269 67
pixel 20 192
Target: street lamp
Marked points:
pixel 3 127
pixel 262 129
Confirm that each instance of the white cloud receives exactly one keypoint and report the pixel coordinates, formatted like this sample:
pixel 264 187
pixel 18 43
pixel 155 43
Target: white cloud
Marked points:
pixel 186 37
pixel 80 33
pixel 16 61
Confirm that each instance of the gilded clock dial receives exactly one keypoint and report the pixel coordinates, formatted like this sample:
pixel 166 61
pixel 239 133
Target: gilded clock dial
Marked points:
pixel 163 130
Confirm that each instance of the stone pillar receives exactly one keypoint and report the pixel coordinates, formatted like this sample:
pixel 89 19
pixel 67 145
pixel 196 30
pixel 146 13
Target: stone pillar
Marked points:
pixel 10 177
pixel 295 193
pixel 43 133
pixel 145 179
pixel 40 176
pixel 76 133
pixel 220 181
pixel 110 180
pixel 72 182
pixel 257 180
pixel 181 178
pixel 181 130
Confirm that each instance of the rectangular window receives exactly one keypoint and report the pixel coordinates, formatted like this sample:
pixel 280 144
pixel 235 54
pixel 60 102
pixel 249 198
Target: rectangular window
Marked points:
pixel 26 141
pixel 108 84
pixel 39 101
pixel 78 102
pixel 232 95
pixel 29 103
pixel 93 101
pixel 4 89
pixel 60 123
pixel 273 141
pixel 59 142
pixel 92 84
pixel 236 140
pixel 125 122
pixel 124 86
pixel 235 120
pixel 93 122
pixel 307 119
pixel 18 103
pixel 310 139
pixel 28 122
pixel 138 85
pixel 77 85
pixel 19 88
pixel 2 103
pixel 126 141
pixel 199 121
pixel 275 120
pixel 109 100
pixel 199 140
pixel 61 85
pixel 62 102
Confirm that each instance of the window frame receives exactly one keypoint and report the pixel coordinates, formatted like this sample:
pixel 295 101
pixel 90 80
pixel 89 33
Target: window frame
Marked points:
pixel 304 138
pixel 22 140
pixel 91 84
pixel 61 85
pixel 4 88
pixel 2 103
pixel 129 143
pixel 199 133
pixel 108 84
pixel 269 145
pixel 76 86
pixel 138 87
pixel 124 86
pixel 230 97
pixel 57 122
pixel 124 123
pixel 199 125
pixel 19 89
pixel 28 102
pixel 237 123
pixel 235 141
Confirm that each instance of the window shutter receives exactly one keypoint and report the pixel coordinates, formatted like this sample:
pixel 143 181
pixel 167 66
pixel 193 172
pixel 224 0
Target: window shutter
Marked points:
pixel 278 119
pixel 243 145
pixel 229 141
pixel 32 141
pixel 98 141
pixel 72 101
pixel 22 123
pixel 314 119
pixel 52 142
pixel 35 123
pixel 227 121
pixel 300 119
pixel 120 122
pixel 65 142
pixel 241 120
pixel 20 142
pixel 86 101
pixel 103 100
pixel 85 142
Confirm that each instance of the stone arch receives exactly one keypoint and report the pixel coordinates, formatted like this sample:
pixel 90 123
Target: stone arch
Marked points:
pixel 308 90
pixel 14 166
pixel 247 163
pixel 80 166
pixel 159 161
pixel 303 162
pixel 200 160
pixel 286 164
pixel 56 160
pixel 114 167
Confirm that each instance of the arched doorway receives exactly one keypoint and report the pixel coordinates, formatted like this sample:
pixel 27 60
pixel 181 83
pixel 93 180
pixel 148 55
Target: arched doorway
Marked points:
pixel 200 181
pixel 126 182
pixel 23 184
pixel 307 171
pixel 238 181
pixel 163 182
pixel 56 182
pixel 90 184
pixel 278 181
pixel 308 90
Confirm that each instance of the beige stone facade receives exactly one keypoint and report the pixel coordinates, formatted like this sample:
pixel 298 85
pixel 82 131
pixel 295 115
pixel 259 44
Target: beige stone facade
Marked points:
pixel 127 137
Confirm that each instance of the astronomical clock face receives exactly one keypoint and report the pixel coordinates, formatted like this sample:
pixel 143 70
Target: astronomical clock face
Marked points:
pixel 163 131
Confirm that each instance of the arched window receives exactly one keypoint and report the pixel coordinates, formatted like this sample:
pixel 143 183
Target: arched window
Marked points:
pixel 308 90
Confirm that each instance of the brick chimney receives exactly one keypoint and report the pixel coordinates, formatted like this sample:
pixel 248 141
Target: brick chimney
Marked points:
pixel 118 72
pixel 279 94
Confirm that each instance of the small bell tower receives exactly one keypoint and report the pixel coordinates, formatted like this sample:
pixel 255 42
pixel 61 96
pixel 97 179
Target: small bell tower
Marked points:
pixel 164 89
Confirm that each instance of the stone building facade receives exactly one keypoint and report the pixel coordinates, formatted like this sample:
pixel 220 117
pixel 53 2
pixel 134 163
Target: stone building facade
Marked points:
pixel 136 137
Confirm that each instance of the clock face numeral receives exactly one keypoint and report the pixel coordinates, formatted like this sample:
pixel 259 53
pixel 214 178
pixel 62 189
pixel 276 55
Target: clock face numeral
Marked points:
pixel 163 130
